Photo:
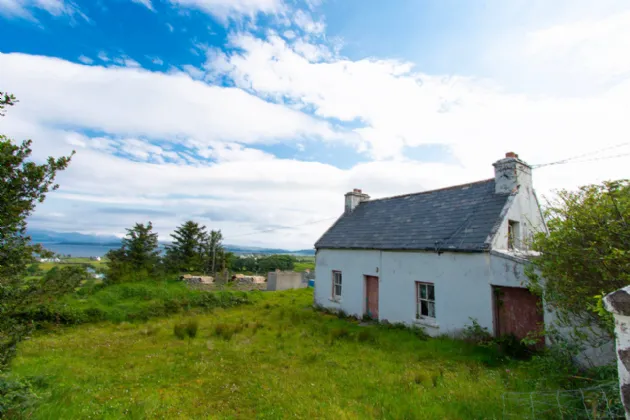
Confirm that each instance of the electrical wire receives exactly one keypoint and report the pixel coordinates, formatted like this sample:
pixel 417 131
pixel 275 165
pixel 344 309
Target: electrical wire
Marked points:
pixel 574 159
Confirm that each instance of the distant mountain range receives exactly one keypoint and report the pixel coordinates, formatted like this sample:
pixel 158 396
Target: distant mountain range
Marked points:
pixel 75 238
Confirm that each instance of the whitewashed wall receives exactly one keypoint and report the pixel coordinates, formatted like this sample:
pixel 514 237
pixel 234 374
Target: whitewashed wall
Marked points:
pixel 463 284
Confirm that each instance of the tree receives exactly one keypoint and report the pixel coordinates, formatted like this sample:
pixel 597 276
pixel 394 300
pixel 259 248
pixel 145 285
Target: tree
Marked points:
pixel 23 184
pixel 187 251
pixel 213 249
pixel 276 262
pixel 137 258
pixel 586 253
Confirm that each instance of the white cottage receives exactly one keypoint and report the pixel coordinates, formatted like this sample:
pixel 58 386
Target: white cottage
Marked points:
pixel 436 258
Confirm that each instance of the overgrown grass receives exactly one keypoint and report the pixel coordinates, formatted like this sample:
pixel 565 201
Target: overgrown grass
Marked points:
pixel 130 302
pixel 277 358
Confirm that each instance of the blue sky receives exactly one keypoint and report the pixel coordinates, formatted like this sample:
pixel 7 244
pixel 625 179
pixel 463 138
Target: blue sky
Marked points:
pixel 255 114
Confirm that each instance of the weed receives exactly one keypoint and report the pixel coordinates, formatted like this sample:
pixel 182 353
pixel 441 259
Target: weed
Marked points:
pixel 339 333
pixel 366 336
pixel 180 331
pixel 186 329
pixel 226 331
pixel 192 327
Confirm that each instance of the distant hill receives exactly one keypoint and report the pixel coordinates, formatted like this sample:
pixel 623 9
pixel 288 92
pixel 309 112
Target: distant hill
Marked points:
pixel 75 238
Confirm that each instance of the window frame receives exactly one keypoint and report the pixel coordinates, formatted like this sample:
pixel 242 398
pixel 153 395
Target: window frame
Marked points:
pixel 337 274
pixel 513 234
pixel 420 299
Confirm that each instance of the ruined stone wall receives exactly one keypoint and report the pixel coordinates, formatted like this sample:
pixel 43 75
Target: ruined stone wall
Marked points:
pixel 619 304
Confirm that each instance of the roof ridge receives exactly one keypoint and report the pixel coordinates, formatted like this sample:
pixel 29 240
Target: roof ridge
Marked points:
pixel 431 191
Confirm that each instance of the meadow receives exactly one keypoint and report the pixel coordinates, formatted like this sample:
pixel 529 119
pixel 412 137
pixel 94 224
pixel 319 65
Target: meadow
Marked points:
pixel 268 356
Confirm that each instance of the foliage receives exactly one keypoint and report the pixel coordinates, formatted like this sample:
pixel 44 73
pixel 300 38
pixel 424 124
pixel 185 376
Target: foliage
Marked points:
pixel 477 334
pixel 186 329
pixel 586 253
pixel 216 258
pixel 138 258
pixel 16 396
pixel 264 264
pixel 128 302
pixel 186 253
pixel 23 184
pixel 271 372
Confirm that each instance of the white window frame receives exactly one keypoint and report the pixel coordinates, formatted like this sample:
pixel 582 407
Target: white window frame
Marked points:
pixel 337 281
pixel 430 303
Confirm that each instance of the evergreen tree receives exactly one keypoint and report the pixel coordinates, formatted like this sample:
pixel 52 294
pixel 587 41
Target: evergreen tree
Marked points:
pixel 23 184
pixel 138 257
pixel 186 254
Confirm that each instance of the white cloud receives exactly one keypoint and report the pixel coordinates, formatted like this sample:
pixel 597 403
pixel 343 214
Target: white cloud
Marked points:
pixel 225 9
pixel 145 3
pixel 589 47
pixel 305 22
pixel 126 62
pixel 195 145
pixel 170 27
pixel 156 60
pixel 103 56
pixel 193 71
pixel 22 8
pixel 397 108
pixel 85 60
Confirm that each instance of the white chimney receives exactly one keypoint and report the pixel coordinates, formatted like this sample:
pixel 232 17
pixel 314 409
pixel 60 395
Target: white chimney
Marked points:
pixel 511 173
pixel 354 198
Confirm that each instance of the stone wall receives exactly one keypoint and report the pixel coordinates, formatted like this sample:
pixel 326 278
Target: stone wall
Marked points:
pixel 619 304
pixel 284 280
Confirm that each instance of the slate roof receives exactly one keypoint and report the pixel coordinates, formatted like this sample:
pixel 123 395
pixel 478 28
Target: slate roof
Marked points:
pixel 458 218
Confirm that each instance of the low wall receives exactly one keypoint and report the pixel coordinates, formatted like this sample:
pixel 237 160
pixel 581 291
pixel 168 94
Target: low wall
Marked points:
pixel 285 280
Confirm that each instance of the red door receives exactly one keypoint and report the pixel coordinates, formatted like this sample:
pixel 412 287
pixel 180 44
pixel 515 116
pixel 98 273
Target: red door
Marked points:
pixel 371 296
pixel 517 311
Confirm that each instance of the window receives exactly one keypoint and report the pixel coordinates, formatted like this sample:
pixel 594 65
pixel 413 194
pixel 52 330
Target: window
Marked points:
pixel 336 284
pixel 514 234
pixel 425 300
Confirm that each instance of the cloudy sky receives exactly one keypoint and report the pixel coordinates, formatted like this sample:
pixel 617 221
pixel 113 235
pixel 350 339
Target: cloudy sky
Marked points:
pixel 256 116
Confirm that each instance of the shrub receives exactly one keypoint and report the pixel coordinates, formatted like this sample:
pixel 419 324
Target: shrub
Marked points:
pixel 191 328
pixel 339 333
pixel 16 395
pixel 226 331
pixel 186 329
pixel 366 336
pixel 180 331
pixel 475 333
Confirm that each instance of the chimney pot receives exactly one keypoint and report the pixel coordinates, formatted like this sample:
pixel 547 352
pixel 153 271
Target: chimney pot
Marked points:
pixel 511 155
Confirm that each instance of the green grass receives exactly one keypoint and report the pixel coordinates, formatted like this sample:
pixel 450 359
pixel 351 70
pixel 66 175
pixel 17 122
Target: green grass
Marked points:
pixel 68 262
pixel 130 302
pixel 277 358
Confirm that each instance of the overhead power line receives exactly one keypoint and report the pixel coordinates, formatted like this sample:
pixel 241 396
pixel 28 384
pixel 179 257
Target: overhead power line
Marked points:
pixel 580 158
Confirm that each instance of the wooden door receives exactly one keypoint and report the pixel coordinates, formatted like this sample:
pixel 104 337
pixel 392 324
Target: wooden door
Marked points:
pixel 517 311
pixel 371 296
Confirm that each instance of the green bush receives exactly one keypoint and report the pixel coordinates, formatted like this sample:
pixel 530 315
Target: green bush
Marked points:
pixel 180 331
pixel 128 302
pixel 226 331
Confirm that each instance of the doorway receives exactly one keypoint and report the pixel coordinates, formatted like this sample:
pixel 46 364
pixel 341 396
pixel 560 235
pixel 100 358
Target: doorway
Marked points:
pixel 371 296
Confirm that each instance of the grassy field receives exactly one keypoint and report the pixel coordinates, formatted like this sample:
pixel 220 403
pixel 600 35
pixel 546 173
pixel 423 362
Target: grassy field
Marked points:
pixel 65 262
pixel 276 358
pixel 304 263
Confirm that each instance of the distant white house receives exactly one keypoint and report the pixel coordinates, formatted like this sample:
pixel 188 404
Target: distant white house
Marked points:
pixel 44 260
pixel 437 258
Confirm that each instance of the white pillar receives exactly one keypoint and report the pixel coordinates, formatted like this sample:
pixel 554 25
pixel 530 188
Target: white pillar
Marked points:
pixel 618 303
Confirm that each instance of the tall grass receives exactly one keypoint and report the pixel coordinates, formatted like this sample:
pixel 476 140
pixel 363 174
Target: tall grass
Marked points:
pixel 131 302
pixel 275 358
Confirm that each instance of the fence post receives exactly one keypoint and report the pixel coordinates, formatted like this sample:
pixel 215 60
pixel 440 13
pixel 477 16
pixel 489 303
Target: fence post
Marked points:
pixel 618 303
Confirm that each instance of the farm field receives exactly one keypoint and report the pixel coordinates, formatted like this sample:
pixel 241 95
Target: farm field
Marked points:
pixel 274 358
